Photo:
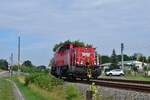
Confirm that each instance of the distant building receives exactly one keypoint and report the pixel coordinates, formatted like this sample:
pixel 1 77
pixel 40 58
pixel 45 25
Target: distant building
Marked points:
pixel 131 63
pixel 127 64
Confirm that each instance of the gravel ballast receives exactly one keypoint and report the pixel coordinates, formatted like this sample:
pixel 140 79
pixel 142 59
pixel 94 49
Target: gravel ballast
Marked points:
pixel 113 94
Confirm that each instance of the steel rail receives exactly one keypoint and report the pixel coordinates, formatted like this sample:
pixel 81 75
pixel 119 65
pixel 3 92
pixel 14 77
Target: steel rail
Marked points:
pixel 124 81
pixel 119 85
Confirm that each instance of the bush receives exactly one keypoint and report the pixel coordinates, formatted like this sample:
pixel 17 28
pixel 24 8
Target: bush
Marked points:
pixel 3 64
pixel 127 72
pixel 27 69
pixel 43 80
pixel 145 68
pixel 15 68
pixel 72 93
pixel 30 78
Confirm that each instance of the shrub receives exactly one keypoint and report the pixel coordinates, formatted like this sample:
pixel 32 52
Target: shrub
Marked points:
pixel 72 93
pixel 15 68
pixel 145 68
pixel 3 64
pixel 30 78
pixel 28 69
pixel 43 80
pixel 127 72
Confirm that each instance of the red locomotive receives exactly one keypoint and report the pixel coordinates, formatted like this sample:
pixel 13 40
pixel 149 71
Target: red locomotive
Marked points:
pixel 73 62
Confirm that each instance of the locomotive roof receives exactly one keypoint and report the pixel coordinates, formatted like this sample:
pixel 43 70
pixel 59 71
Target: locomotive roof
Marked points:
pixel 66 47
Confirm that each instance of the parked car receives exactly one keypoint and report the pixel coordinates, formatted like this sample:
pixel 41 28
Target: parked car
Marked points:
pixel 115 72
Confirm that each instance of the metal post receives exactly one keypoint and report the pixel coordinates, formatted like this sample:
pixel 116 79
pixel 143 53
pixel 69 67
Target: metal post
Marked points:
pixel 89 95
pixel 18 53
pixel 11 63
pixel 122 57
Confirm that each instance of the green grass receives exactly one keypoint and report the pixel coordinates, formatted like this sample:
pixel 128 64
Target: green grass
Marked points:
pixel 27 93
pixel 1 70
pixel 6 90
pixel 34 92
pixel 138 77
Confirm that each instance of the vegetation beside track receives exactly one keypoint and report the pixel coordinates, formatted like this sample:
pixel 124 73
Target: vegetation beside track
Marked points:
pixel 6 90
pixel 40 86
pixel 129 75
pixel 1 70
pixel 139 77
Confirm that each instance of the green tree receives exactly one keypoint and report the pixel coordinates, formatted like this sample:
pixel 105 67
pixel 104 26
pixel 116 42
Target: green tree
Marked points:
pixel 64 45
pixel 41 67
pixel 148 59
pixel 142 58
pixel 145 70
pixel 126 57
pixel 3 64
pixel 27 63
pixel 114 60
pixel 133 57
pixel 136 56
pixel 104 59
pixel 135 69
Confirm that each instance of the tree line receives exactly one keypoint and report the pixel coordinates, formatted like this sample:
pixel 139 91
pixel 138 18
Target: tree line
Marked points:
pixel 28 64
pixel 135 56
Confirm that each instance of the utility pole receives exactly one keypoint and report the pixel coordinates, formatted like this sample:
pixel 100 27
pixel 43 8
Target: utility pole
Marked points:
pixel 122 57
pixel 11 63
pixel 18 53
pixel 11 59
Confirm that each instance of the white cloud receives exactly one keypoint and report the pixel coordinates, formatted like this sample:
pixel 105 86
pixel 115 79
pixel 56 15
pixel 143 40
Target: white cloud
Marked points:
pixel 104 23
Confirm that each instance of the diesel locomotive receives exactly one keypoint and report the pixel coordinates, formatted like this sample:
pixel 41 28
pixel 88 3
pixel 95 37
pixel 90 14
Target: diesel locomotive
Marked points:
pixel 74 62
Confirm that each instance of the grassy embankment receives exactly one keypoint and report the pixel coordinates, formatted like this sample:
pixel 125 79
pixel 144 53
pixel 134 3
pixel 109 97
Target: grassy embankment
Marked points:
pixel 33 91
pixel 130 76
pixel 1 70
pixel 6 90
pixel 137 77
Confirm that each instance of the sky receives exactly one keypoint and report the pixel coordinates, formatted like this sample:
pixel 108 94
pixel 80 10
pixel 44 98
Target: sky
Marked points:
pixel 103 23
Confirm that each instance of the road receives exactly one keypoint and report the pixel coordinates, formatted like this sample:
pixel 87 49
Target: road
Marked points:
pixel 16 91
pixel 4 74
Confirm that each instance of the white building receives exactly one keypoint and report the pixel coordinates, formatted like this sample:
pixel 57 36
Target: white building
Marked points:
pixel 138 64
pixel 127 64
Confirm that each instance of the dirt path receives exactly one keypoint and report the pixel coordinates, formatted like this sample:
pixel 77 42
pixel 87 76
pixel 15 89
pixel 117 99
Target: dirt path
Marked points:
pixel 16 91
pixel 4 74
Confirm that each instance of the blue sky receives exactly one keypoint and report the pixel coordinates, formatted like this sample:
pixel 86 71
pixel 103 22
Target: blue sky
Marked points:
pixel 43 23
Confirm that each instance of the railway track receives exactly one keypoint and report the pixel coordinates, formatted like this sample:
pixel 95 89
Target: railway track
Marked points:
pixel 125 81
pixel 139 86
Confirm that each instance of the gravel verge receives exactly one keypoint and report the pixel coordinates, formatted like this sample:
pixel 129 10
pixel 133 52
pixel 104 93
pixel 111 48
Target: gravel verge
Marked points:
pixel 113 94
